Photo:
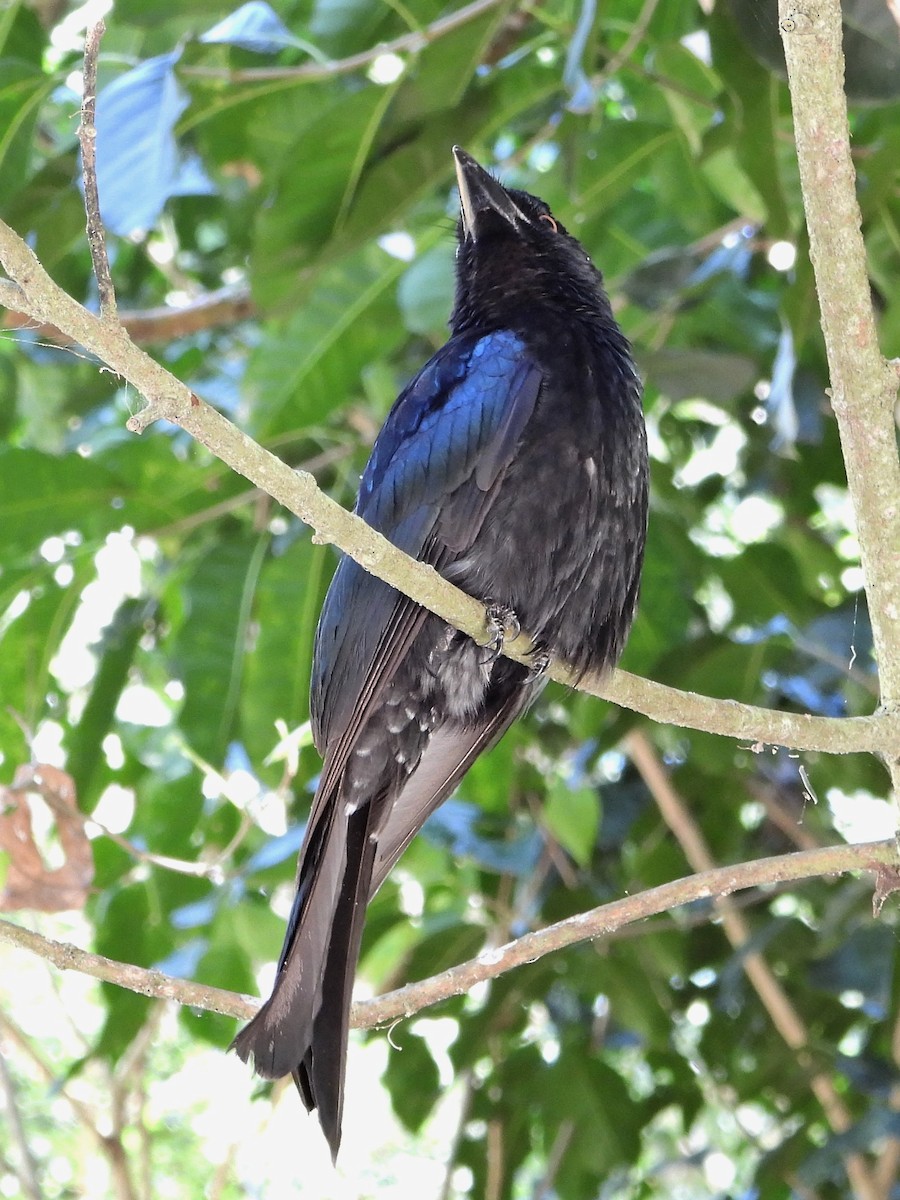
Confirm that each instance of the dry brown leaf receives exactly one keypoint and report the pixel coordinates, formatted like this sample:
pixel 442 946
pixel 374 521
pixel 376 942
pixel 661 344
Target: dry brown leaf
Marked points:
pixel 30 882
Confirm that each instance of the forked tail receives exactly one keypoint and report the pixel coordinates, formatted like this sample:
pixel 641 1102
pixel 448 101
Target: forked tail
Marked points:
pixel 301 1030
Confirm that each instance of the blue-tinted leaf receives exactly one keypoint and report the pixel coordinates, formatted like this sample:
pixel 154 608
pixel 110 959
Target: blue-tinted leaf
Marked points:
pixel 138 162
pixel 864 963
pixel 276 850
pixel 455 825
pixel 256 27
pixel 425 292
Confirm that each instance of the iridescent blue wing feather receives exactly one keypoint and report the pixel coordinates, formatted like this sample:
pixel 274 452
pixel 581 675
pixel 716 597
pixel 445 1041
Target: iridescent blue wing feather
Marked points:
pixel 427 487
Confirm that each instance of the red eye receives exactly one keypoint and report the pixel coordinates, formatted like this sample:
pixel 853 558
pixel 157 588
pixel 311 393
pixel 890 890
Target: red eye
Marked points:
pixel 550 221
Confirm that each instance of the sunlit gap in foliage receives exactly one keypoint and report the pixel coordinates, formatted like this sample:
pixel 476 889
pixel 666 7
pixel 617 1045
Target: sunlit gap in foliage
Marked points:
pixel 399 244
pixel 861 817
pixel 386 68
pixel 68 35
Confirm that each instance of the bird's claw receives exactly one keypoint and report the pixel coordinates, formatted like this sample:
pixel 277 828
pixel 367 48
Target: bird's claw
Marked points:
pixel 539 661
pixel 502 623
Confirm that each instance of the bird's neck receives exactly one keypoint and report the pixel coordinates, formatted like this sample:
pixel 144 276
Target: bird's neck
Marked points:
pixel 548 330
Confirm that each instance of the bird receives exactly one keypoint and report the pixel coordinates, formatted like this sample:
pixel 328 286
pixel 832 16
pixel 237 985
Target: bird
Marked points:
pixel 515 463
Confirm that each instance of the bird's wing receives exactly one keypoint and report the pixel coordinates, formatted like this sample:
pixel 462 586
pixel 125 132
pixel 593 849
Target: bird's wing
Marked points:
pixel 427 487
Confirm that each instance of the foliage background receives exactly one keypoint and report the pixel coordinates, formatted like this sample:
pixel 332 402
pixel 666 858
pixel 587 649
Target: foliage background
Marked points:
pixel 158 615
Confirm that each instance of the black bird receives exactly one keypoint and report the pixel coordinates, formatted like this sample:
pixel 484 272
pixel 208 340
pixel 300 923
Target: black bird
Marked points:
pixel 516 464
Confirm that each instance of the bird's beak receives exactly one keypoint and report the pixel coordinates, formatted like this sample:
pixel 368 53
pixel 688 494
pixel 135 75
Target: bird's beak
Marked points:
pixel 479 192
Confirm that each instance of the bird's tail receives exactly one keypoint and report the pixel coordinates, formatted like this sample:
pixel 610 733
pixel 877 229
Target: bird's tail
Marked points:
pixel 301 1030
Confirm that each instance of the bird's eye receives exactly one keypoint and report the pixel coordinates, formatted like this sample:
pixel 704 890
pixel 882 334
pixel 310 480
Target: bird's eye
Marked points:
pixel 550 221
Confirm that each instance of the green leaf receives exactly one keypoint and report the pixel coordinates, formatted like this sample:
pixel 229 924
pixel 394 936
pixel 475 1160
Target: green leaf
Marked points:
pixel 693 100
pixel 116 654
pixel 224 965
pixel 756 108
pixel 572 815
pixel 21 35
pixel 130 930
pixel 321 178
pixel 276 680
pixel 23 90
pixel 412 1078
pixel 442 71
pixel 168 813
pixel 425 293
pixel 733 185
pixel 208 651
pixel 43 495
pixel 28 642
pixel 622 156
pixel 313 366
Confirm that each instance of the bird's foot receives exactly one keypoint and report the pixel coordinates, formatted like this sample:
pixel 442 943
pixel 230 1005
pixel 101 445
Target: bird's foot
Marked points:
pixel 502 623
pixel 539 662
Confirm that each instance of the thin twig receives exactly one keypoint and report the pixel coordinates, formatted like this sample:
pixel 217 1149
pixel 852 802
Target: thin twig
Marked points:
pixel 87 136
pixel 774 999
pixel 404 1002
pixel 635 37
pixel 767 794
pixel 413 43
pixel 128 1091
pixel 888 1166
pixel 83 1113
pixel 26 1167
pixel 11 295
pixel 212 870
pixel 555 1158
pixel 149 326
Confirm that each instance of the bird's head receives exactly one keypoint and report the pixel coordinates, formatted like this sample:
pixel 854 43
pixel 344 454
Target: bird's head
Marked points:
pixel 514 257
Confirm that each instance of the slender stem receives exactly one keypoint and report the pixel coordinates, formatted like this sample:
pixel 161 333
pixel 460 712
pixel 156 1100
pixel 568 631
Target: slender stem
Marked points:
pixel 84 1114
pixel 26 1167
pixel 411 42
pixel 149 326
pixel 87 136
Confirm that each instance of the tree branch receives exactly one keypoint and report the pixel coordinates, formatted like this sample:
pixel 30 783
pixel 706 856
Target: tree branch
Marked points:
pixel 169 398
pixel 147 326
pixel 863 383
pixel 879 857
